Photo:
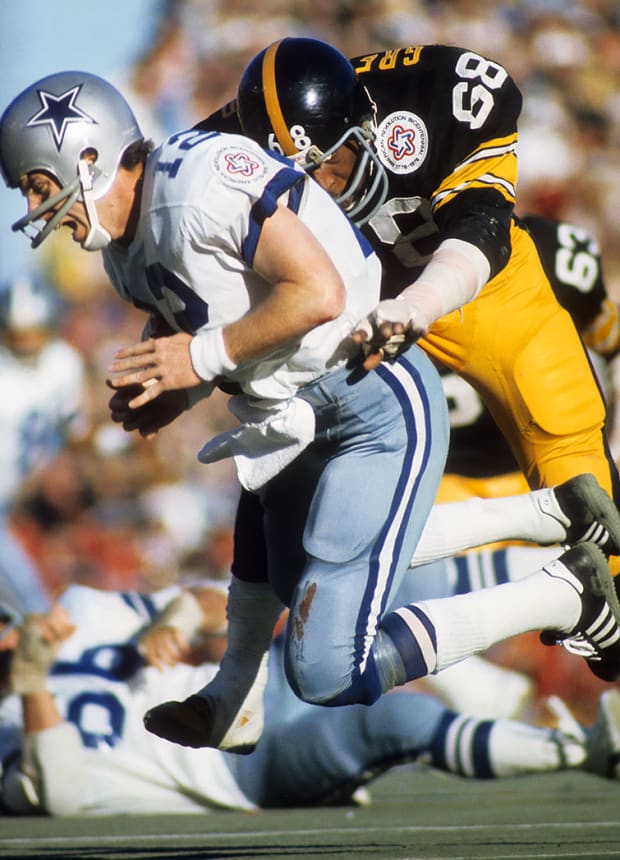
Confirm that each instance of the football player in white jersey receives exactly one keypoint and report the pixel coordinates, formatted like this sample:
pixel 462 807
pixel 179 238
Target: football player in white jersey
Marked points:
pixel 41 391
pixel 264 279
pixel 81 748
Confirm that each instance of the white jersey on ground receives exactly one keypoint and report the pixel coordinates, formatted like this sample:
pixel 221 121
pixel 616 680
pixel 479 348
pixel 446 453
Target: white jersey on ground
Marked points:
pixel 205 198
pixel 102 686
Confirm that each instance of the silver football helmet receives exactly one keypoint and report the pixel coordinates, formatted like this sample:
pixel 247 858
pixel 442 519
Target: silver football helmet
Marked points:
pixel 27 301
pixel 29 315
pixel 52 126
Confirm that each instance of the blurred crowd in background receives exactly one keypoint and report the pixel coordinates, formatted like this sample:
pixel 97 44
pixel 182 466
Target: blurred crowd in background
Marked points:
pixel 114 511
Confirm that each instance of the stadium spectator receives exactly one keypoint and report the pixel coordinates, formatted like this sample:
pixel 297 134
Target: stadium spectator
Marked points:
pixel 44 410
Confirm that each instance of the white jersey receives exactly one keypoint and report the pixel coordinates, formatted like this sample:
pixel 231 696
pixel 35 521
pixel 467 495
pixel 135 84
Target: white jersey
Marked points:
pixel 205 198
pixel 40 398
pixel 102 686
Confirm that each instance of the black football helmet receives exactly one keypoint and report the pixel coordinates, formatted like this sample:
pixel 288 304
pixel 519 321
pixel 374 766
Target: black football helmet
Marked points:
pixel 302 98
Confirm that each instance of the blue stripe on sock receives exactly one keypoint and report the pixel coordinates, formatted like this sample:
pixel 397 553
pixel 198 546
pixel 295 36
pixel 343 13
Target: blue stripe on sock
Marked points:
pixel 500 566
pixel 425 621
pixel 463 583
pixel 481 759
pixel 437 747
pixel 406 644
pixel 480 746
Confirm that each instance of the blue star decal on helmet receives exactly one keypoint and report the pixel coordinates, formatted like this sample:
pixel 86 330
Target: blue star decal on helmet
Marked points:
pixel 58 112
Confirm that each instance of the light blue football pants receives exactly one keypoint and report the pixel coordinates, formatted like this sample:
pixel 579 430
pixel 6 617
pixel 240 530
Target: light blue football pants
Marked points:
pixel 342 521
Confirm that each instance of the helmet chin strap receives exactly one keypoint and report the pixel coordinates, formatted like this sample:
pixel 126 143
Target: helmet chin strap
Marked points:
pixel 98 237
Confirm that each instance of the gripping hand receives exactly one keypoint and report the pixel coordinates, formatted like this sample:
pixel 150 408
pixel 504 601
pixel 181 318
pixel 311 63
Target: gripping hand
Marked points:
pixel 388 331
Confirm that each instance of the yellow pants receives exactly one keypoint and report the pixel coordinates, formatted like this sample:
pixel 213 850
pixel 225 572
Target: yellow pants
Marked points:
pixel 521 351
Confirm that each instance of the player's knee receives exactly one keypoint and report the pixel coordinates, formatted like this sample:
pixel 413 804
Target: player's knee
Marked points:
pixel 312 682
pixel 324 683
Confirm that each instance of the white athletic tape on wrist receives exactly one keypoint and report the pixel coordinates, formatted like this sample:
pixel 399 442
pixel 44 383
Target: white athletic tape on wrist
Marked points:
pixel 31 660
pixel 184 613
pixel 454 276
pixel 392 311
pixel 208 354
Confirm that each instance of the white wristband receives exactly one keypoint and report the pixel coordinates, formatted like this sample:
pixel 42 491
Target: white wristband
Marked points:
pixel 208 354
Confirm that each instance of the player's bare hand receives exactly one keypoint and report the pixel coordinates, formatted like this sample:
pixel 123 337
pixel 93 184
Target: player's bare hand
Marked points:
pixel 157 365
pixel 388 331
pixel 164 646
pixel 55 625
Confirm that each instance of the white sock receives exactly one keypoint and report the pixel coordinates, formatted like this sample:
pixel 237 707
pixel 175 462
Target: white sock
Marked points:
pixel 481 688
pixel 522 560
pixel 454 527
pixel 467 624
pixel 516 748
pixel 498 748
pixel 486 568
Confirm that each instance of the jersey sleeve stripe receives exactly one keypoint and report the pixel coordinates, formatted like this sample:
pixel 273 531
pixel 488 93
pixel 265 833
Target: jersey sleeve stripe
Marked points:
pixel 501 177
pixel 486 181
pixel 492 148
pixel 295 196
pixel 141 604
pixel 284 180
pixel 493 165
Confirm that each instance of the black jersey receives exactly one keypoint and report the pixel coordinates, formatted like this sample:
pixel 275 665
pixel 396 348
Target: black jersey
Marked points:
pixel 446 135
pixel 572 262
pixel 224 119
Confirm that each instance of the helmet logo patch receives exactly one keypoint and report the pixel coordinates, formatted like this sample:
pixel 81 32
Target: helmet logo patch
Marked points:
pixel 402 141
pixel 239 165
pixel 58 112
